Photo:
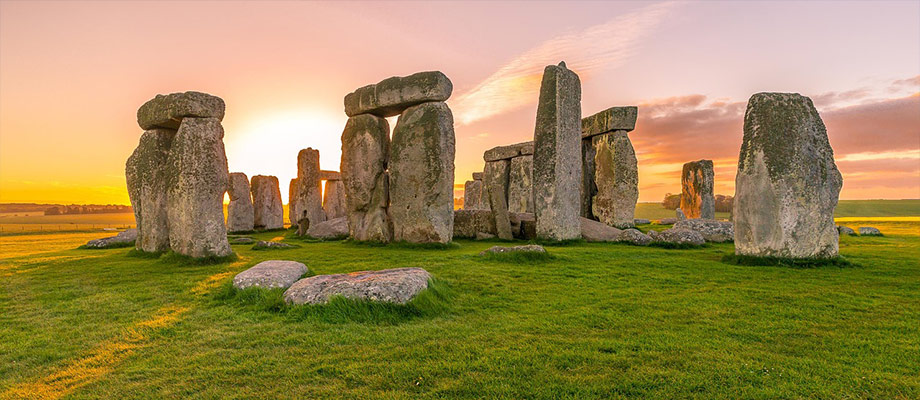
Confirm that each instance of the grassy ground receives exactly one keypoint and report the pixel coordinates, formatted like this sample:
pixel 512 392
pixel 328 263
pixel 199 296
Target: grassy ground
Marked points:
pixel 592 321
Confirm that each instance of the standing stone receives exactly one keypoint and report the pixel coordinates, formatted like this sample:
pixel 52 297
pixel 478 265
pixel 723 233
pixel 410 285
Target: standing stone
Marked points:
pixel 308 195
pixel 198 175
pixel 239 211
pixel 334 199
pixel 617 178
pixel 520 185
pixel 696 196
pixel 365 150
pixel 293 204
pixel 422 174
pixel 557 167
pixel 496 176
pixel 588 186
pixel 472 195
pixel 787 183
pixel 268 213
pixel 147 187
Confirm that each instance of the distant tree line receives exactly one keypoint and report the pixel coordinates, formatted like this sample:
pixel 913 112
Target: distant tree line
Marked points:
pixel 87 209
pixel 723 202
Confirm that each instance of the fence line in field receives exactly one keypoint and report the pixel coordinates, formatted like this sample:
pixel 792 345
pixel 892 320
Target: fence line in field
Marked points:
pixel 12 228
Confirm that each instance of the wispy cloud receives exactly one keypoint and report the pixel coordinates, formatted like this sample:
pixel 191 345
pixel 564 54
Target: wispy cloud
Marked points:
pixel 517 83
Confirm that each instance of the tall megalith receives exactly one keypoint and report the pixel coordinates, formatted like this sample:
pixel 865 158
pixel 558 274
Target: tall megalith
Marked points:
pixel 239 211
pixel 147 187
pixel 268 212
pixel 307 202
pixel 616 177
pixel 696 194
pixel 365 151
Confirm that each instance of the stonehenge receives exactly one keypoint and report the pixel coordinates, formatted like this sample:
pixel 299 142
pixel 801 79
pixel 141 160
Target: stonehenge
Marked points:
pixel 398 285
pixel 557 174
pixel 333 195
pixel 787 184
pixel 306 202
pixel 610 185
pixel 472 193
pixel 268 213
pixel 497 174
pixel 400 189
pixel 147 187
pixel 240 213
pixel 697 199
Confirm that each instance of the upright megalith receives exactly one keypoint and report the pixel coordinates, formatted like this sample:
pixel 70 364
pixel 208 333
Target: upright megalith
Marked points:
pixel 421 173
pixel 334 199
pixel 696 193
pixel 239 211
pixel 557 167
pixel 787 184
pixel 148 183
pixel 198 179
pixel 472 194
pixel 307 203
pixel 268 213
pixel 496 175
pixel 520 185
pixel 392 96
pixel 610 181
pixel 365 151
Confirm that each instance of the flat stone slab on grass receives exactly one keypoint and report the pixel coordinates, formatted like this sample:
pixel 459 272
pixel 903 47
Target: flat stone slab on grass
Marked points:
pixel 119 240
pixel 845 230
pixel 678 236
pixel 399 285
pixel 242 240
pixel 869 231
pixel 530 248
pixel 633 236
pixel 596 231
pixel 330 229
pixel 270 274
pixel 712 230
pixel 262 245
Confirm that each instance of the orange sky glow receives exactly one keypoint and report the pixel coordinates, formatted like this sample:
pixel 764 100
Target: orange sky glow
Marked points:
pixel 72 75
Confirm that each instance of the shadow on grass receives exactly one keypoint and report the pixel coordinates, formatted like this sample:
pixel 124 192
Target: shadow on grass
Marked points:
pixel 839 261
pixel 558 243
pixel 405 245
pixel 430 303
pixel 172 257
pixel 145 254
pixel 120 245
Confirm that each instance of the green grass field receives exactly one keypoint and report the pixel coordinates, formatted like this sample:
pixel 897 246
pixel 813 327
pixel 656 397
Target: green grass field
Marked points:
pixel 593 321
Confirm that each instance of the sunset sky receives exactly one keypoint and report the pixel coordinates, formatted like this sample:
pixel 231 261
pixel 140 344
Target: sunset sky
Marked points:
pixel 72 75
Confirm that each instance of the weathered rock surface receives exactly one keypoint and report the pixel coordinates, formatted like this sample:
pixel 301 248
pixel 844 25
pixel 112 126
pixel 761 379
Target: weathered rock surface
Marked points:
pixel 712 230
pixel 472 195
pixel 594 231
pixel 845 230
pixel 399 285
pixel 477 176
pixel 528 248
pixel 508 152
pixel 680 215
pixel 392 96
pixel 696 197
pixel 678 236
pixel 588 187
pixel 616 177
pixel 633 236
pixel 265 245
pixel 240 213
pixel 334 200
pixel 308 194
pixel 268 212
pixel 869 231
pixel 242 240
pixel 167 111
pixel 787 184
pixel 468 223
pixel 148 184
pixel 421 172
pixel 642 221
pixel 520 185
pixel 121 239
pixel 198 178
pixel 496 181
pixel 330 175
pixel 365 151
pixel 609 120
pixel 484 236
pixel 330 229
pixel 272 274
pixel 523 226
pixel 666 221
pixel 557 168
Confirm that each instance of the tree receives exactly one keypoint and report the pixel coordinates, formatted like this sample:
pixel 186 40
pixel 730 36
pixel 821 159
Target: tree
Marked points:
pixel 671 201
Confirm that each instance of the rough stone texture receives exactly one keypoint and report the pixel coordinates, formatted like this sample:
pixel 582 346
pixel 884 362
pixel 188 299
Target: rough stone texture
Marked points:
pixel 528 248
pixel 365 150
pixel 696 196
pixel 167 111
pixel 399 285
pixel 588 186
pixel 845 230
pixel 680 215
pixel 609 120
pixel 616 177
pixel 330 175
pixel 472 195
pixel 496 182
pixel 421 172
pixel 329 229
pixel 334 200
pixel 484 236
pixel 469 223
pixel 122 238
pixel 265 244
pixel 712 230
pixel 520 185
pixel 308 194
pixel 147 188
pixel 243 240
pixel 594 231
pixel 523 226
pixel 641 221
pixel 270 274
pixel 869 231
pixel 666 221
pixel 678 236
pixel 198 179
pixel 633 236
pixel 508 152
pixel 268 213
pixel 392 96
pixel 477 176
pixel 557 167
pixel 787 184
pixel 240 213
pixel 293 206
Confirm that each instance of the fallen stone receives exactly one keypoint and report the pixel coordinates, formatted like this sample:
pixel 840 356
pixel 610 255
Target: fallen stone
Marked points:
pixel 529 248
pixel 696 196
pixel 468 223
pixel 334 200
pixel 240 212
pixel 869 231
pixel 167 111
pixel 242 240
pixel 678 236
pixel 398 285
pixel 594 231
pixel 268 212
pixel 496 181
pixel 308 194
pixel 330 229
pixel 365 150
pixel 712 230
pixel 633 236
pixel 122 239
pixel 484 236
pixel 616 178
pixel 666 221
pixel 264 245
pixel 330 175
pixel 148 184
pixel 641 221
pixel 392 96
pixel 844 230
pixel 272 274
pixel 557 170
pixel 609 120
pixel 421 172
pixel 520 185
pixel 508 152
pixel 787 184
